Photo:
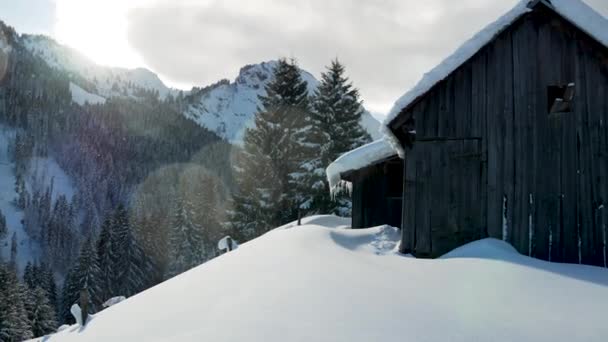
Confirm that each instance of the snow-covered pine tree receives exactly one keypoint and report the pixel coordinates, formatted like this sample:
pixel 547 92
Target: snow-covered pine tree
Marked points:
pixel 41 313
pixel 14 322
pixel 104 260
pixel 85 275
pixel 272 152
pixel 3 227
pixel 41 276
pixel 48 284
pixel 13 259
pixel 129 264
pixel 336 120
pixel 186 243
pixel 29 275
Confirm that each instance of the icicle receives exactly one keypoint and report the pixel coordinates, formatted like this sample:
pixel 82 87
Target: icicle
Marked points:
pixel 505 227
pixel 530 226
pixel 601 207
pixel 550 242
pixel 605 258
pixel 580 245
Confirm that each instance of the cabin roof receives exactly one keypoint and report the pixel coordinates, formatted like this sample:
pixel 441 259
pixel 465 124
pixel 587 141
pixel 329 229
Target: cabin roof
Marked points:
pixel 575 11
pixel 364 156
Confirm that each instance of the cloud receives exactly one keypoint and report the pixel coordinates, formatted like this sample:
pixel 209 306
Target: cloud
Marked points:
pixel 386 44
pixel 32 16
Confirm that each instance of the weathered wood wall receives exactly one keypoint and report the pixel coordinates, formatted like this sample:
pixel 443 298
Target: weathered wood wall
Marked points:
pixel 542 180
pixel 376 195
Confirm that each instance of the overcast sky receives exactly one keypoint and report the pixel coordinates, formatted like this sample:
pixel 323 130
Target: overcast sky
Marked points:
pixel 386 44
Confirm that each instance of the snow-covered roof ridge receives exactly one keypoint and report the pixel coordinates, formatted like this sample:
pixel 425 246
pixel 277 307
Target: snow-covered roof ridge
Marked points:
pixel 575 11
pixel 358 158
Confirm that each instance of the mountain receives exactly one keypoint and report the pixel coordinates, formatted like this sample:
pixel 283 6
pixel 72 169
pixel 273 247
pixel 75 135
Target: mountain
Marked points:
pixel 324 282
pixel 226 108
pixel 99 80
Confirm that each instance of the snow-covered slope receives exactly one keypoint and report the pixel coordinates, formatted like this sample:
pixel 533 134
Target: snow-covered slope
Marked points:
pixel 99 80
pixel 40 171
pixel 318 282
pixel 228 108
pixel 25 251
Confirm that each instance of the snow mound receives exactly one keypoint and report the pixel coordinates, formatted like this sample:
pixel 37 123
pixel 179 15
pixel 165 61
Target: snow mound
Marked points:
pixel 113 301
pixel 487 248
pixel 574 11
pixel 356 159
pixel 317 282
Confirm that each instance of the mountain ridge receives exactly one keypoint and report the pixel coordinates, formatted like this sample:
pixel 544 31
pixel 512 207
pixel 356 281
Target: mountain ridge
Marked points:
pixel 225 107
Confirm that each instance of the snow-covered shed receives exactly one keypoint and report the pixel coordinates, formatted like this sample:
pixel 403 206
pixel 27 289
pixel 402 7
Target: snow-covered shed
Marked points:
pixel 507 138
pixel 373 174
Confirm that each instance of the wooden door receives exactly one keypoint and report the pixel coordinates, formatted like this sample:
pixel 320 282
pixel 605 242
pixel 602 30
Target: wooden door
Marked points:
pixel 443 196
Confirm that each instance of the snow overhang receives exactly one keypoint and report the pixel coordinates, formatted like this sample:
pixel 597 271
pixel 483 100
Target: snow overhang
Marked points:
pixel 357 159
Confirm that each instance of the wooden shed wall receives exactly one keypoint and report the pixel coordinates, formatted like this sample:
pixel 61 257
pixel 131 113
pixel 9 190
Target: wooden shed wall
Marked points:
pixel 543 178
pixel 377 194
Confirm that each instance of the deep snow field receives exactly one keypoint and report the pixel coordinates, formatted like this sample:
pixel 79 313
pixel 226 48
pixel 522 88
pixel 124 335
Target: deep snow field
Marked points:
pixel 325 282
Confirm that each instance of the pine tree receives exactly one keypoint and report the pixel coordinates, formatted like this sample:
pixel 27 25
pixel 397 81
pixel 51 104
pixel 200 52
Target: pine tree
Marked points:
pixel 41 312
pixel 84 275
pixel 3 227
pixel 129 264
pixel 104 259
pixel 48 284
pixel 336 121
pixel 186 244
pixel 272 152
pixel 14 322
pixel 41 276
pixel 13 259
pixel 29 275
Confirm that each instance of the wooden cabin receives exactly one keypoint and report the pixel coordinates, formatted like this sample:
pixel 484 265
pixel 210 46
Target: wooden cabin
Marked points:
pixel 373 174
pixel 508 138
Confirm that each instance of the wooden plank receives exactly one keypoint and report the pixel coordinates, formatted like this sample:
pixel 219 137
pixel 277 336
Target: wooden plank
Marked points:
pixel 584 198
pixel 569 176
pixel 495 132
pixel 421 241
pixel 471 189
pixel 592 239
pixel 523 84
pixel 409 204
pixel 546 153
pixel 438 208
pixel 508 137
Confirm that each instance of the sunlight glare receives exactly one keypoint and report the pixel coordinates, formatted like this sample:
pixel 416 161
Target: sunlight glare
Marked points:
pixel 98 29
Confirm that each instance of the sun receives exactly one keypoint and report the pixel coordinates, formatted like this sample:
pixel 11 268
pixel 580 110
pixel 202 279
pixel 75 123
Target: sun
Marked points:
pixel 98 29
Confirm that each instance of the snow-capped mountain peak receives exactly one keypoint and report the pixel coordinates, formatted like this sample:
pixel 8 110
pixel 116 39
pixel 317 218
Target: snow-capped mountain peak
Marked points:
pixel 228 108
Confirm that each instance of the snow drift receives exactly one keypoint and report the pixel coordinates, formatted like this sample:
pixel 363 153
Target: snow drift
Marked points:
pixel 320 283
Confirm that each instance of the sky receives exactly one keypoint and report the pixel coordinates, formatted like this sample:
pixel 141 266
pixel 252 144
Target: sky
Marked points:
pixel 386 45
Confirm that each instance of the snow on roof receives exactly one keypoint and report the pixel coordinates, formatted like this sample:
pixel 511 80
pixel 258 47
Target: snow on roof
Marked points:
pixel 356 159
pixel 317 282
pixel 575 11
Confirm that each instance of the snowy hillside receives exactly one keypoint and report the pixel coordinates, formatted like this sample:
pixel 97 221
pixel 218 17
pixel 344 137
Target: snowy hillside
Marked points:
pixel 13 215
pixel 322 282
pixel 100 80
pixel 40 171
pixel 228 108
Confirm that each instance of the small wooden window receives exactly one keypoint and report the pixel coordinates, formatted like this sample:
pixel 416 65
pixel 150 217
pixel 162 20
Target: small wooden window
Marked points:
pixel 559 98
